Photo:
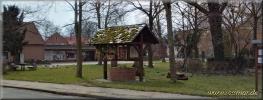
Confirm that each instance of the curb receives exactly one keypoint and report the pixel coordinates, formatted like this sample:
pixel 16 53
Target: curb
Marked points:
pixel 65 93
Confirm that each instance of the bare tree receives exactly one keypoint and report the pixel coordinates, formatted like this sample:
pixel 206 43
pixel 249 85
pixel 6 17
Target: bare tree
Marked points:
pixel 194 25
pixel 108 12
pixel 158 30
pixel 154 9
pixel 254 9
pixel 89 28
pixel 214 14
pixel 36 14
pixel 98 9
pixel 47 28
pixel 167 6
pixel 97 6
pixel 234 17
pixel 77 7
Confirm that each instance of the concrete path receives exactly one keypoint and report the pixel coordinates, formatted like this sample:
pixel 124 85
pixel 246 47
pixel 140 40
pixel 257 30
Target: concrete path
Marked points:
pixel 15 93
pixel 90 62
pixel 96 92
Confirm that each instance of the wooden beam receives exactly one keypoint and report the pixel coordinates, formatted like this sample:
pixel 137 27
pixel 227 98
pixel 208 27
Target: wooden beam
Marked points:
pixel 128 51
pixel 140 67
pixel 114 61
pixel 105 68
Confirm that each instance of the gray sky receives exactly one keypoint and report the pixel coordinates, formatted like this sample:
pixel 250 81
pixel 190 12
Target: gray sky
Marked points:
pixel 60 12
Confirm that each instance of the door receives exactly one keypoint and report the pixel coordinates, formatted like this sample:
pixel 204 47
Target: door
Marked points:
pixel 90 56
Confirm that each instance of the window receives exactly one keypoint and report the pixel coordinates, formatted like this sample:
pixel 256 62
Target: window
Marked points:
pixel 70 55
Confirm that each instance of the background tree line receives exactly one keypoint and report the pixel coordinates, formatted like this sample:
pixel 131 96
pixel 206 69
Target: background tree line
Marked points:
pixel 221 18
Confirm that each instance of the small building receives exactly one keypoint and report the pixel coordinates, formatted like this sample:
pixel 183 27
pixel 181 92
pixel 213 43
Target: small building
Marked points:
pixel 123 37
pixel 124 43
pixel 34 49
pixel 60 48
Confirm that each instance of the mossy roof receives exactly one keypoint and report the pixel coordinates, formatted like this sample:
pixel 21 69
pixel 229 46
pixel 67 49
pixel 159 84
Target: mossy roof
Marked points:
pixel 117 34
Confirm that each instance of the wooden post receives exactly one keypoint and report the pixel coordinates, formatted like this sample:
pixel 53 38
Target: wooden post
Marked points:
pixel 105 68
pixel 256 59
pixel 141 71
pixel 128 52
pixel 116 56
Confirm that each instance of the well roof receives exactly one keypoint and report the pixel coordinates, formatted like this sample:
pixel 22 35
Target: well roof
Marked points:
pixel 122 34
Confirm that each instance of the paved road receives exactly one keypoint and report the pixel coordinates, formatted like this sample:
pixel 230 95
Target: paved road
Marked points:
pixel 14 93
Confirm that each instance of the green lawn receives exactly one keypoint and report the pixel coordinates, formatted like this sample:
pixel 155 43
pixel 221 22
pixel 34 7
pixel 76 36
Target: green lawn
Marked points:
pixel 155 80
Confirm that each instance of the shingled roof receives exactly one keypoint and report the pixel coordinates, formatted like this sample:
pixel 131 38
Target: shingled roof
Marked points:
pixel 32 35
pixel 123 34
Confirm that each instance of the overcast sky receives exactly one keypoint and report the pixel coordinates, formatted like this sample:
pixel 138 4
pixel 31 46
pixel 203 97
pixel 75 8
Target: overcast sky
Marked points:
pixel 60 12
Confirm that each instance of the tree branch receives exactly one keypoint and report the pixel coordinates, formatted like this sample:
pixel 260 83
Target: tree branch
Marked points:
pixel 200 8
pixel 223 6
pixel 70 5
pixel 139 8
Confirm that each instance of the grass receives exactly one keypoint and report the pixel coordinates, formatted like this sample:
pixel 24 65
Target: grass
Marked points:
pixel 155 80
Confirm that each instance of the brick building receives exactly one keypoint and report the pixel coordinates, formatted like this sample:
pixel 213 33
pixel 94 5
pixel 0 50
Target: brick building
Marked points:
pixel 34 49
pixel 60 48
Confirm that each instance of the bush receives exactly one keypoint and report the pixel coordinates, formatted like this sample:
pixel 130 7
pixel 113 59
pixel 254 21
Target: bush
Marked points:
pixel 229 66
pixel 195 66
pixel 192 66
pixel 217 67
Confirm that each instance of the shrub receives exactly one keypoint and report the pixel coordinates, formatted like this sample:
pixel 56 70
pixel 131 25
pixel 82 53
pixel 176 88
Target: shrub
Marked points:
pixel 217 67
pixel 192 66
pixel 195 66
pixel 229 66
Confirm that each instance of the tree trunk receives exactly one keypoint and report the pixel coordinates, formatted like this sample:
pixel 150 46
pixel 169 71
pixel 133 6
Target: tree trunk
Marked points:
pixel 255 25
pixel 196 54
pixel 140 67
pixel 107 15
pixel 215 22
pixel 150 52
pixel 196 37
pixel 78 38
pixel 167 6
pixel 98 6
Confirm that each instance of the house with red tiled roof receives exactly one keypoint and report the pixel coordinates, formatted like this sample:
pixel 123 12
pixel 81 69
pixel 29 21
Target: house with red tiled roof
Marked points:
pixel 56 39
pixel 72 39
pixel 61 48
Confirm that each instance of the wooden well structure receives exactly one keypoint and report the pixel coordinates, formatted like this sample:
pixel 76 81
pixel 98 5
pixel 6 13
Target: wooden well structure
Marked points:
pixel 121 39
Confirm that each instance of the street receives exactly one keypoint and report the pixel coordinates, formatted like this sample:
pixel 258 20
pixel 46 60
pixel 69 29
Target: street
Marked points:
pixel 14 93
